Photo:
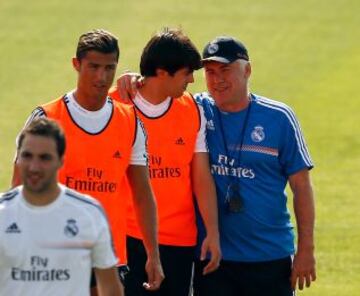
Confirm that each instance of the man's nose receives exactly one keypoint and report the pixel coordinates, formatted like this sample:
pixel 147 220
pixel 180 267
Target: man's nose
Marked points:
pixel 190 78
pixel 34 165
pixel 218 78
pixel 101 75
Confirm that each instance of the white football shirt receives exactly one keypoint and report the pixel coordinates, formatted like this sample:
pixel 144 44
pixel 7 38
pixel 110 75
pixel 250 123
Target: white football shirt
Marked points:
pixel 50 250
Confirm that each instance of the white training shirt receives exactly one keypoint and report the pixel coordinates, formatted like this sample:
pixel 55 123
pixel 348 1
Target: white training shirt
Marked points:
pixel 95 121
pixel 50 250
pixel 151 110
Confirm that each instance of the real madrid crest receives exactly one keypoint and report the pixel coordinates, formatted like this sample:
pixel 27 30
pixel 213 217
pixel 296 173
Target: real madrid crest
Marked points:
pixel 213 47
pixel 71 229
pixel 258 134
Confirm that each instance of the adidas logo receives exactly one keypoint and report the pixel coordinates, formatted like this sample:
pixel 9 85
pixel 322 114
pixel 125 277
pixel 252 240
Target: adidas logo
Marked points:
pixel 117 154
pixel 13 228
pixel 210 125
pixel 180 141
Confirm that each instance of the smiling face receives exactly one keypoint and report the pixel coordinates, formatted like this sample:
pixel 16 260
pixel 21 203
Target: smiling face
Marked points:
pixel 227 83
pixel 38 163
pixel 96 74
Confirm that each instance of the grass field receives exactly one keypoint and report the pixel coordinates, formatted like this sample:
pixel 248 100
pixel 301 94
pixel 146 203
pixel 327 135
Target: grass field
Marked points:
pixel 307 55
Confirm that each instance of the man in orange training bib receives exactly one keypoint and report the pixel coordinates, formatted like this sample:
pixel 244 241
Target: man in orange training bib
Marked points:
pixel 178 166
pixel 106 146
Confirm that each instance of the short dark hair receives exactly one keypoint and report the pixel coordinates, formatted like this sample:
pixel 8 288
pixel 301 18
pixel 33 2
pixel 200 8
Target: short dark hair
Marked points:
pixel 46 128
pixel 98 40
pixel 170 50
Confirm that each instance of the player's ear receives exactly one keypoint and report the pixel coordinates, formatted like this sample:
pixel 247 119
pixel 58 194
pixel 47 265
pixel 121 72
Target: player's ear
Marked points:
pixel 76 64
pixel 161 73
pixel 247 70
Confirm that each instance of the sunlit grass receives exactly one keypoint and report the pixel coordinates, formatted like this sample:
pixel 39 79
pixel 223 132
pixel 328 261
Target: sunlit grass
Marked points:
pixel 306 54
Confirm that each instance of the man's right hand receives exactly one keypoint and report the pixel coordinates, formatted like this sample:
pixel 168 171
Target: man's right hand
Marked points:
pixel 154 272
pixel 128 84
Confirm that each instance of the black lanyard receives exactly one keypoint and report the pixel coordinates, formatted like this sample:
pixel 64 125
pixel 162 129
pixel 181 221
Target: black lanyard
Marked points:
pixel 233 199
pixel 241 138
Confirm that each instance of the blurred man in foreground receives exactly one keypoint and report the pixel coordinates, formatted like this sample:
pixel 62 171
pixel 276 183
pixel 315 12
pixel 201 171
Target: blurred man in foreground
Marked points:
pixel 52 236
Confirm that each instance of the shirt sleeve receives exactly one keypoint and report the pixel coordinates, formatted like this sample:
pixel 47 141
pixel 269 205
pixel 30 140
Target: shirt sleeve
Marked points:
pixel 103 255
pixel 294 155
pixel 139 155
pixel 201 144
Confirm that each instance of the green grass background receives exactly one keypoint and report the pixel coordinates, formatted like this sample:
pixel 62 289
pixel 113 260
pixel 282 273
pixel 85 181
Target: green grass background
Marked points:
pixel 305 53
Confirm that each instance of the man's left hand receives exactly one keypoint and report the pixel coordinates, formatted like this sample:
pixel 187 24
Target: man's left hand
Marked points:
pixel 211 245
pixel 303 270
